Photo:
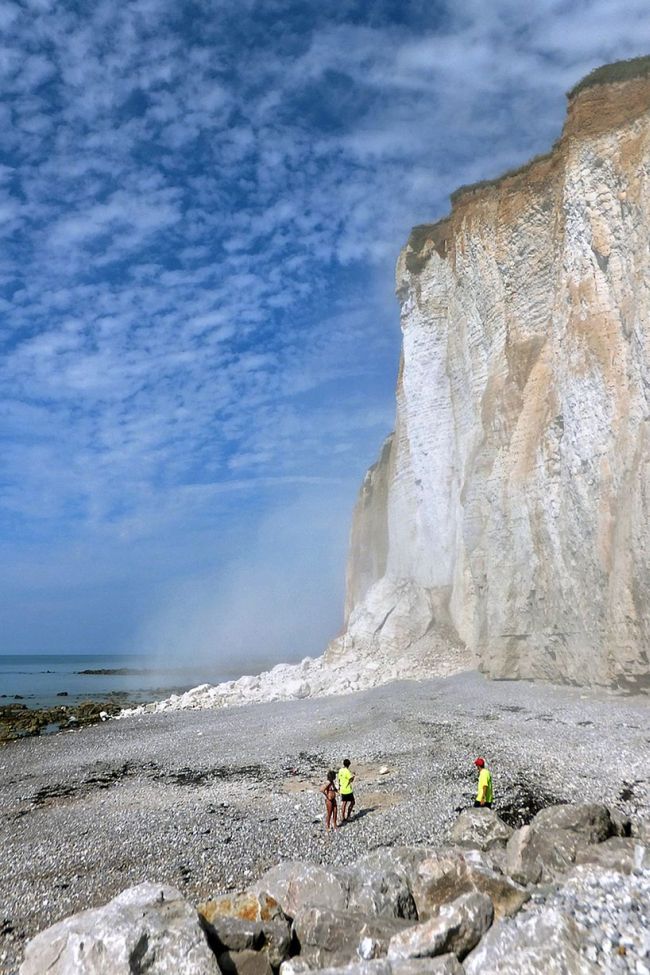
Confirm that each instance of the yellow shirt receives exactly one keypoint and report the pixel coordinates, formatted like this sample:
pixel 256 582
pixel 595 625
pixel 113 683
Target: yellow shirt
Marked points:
pixel 345 785
pixel 484 782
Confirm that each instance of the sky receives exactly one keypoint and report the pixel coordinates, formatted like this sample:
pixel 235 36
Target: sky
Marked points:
pixel 201 207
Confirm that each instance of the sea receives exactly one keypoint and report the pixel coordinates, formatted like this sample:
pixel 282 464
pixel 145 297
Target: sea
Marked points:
pixel 43 680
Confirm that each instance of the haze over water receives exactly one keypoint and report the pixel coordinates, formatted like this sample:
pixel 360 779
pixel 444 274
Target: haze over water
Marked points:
pixel 38 680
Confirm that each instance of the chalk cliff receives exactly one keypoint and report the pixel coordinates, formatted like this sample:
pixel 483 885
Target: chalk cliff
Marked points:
pixel 508 518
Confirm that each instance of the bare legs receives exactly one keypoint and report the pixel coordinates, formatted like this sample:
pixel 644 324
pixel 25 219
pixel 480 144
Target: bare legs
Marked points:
pixel 331 813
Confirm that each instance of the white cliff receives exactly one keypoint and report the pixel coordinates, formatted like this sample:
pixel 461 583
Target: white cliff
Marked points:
pixel 507 519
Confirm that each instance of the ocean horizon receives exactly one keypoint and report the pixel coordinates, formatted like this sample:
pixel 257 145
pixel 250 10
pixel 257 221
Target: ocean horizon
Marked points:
pixel 40 680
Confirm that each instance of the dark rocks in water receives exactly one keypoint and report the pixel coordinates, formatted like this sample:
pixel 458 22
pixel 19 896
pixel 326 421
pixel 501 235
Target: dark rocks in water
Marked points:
pixel 62 694
pixel 19 721
pixel 113 672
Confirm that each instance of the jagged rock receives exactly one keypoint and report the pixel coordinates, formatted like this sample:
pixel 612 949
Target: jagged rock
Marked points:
pixel 590 821
pixel 456 928
pixel 246 905
pixel 448 874
pixel 330 938
pixel 480 829
pixel 617 853
pixel 543 944
pixel 548 848
pixel 383 893
pixel 541 855
pixel 242 921
pixel 234 934
pixel 246 962
pixel 145 928
pixel 522 862
pixel 621 824
pixel 238 934
pixel 296 885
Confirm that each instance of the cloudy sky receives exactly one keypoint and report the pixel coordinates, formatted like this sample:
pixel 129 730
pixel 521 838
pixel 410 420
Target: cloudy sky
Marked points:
pixel 201 206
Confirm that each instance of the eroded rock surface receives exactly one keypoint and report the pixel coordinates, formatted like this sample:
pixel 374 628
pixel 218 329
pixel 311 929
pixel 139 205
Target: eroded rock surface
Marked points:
pixel 507 518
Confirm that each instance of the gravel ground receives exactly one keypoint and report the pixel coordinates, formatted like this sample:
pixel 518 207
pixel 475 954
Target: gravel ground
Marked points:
pixel 207 800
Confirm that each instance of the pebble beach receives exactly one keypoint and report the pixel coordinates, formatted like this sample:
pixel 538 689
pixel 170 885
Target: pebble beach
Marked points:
pixel 206 800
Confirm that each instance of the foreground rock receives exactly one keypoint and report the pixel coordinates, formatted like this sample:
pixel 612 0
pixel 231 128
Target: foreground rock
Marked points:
pixel 597 922
pixel 448 874
pixel 456 928
pixel 396 911
pixel 148 928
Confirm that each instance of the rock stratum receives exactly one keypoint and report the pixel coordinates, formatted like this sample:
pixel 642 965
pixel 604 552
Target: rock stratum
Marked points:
pixel 507 516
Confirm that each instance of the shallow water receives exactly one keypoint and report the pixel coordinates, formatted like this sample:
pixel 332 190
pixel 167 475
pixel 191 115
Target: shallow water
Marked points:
pixel 46 680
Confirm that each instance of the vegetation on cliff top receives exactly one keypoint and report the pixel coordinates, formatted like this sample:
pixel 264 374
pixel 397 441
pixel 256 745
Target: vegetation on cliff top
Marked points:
pixel 608 74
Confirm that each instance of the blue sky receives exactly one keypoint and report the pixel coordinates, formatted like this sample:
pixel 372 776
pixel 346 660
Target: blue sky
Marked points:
pixel 201 207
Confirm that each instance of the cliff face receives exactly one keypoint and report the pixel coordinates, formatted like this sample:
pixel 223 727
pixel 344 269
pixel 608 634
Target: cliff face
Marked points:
pixel 508 516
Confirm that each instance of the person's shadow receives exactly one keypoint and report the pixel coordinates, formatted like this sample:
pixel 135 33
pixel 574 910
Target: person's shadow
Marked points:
pixel 358 815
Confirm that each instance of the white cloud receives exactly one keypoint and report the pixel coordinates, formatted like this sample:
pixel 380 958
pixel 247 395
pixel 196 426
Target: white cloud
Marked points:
pixel 200 225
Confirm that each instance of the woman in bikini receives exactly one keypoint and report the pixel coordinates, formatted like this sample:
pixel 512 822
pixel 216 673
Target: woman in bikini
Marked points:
pixel 329 791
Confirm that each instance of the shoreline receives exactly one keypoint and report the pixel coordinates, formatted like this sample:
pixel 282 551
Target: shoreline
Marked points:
pixel 206 800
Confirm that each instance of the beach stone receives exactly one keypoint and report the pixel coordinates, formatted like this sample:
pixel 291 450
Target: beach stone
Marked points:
pixel 149 928
pixel 329 938
pixel 383 893
pixel 542 944
pixel 296 885
pixel 447 874
pixel 457 928
pixel 246 962
pixel 480 829
pixel 590 821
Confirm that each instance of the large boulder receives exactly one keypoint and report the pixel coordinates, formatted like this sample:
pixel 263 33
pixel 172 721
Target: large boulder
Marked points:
pixel 480 829
pixel 237 934
pixel 456 928
pixel 447 874
pixel 328 938
pixel 590 821
pixel 240 922
pixel 620 853
pixel 522 862
pixel 149 928
pixel 296 885
pixel 539 944
pixel 384 893
pixel 547 849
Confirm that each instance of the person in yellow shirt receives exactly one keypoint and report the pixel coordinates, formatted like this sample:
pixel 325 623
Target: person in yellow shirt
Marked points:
pixel 346 778
pixel 484 790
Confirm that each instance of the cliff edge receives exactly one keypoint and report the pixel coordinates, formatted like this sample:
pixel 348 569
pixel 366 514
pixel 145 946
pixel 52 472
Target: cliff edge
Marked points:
pixel 507 520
